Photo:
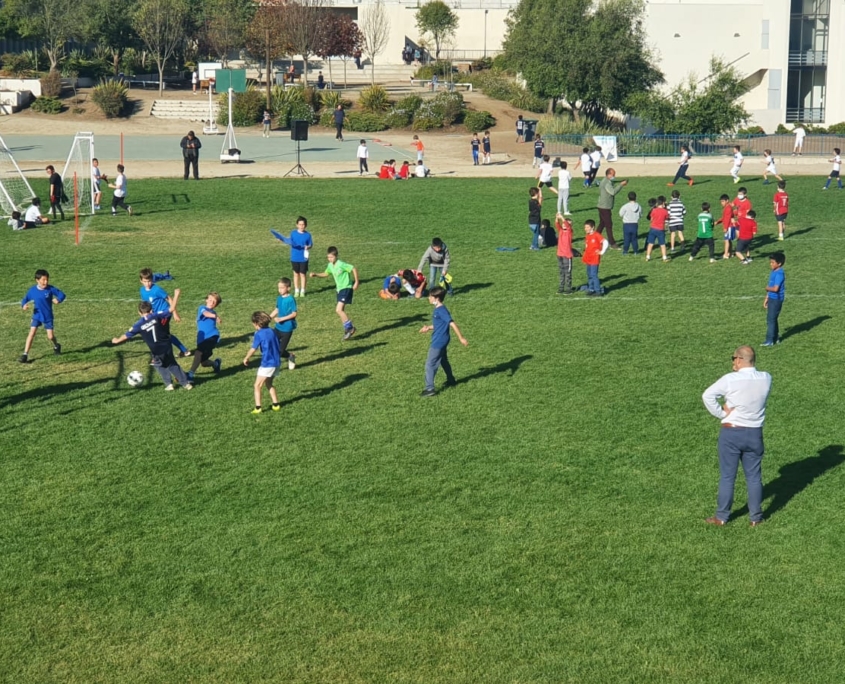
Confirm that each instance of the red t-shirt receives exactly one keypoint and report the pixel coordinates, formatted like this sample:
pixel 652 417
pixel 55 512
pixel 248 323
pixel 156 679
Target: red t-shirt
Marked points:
pixel 781 202
pixel 747 228
pixel 384 172
pixel 659 216
pixel 592 249
pixel 564 238
pixel 727 216
pixel 741 207
pixel 403 171
pixel 416 280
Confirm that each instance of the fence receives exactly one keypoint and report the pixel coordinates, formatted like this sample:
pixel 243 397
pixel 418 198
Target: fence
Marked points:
pixel 635 145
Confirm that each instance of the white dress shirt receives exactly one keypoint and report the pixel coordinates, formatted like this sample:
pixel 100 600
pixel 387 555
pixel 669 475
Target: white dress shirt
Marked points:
pixel 745 391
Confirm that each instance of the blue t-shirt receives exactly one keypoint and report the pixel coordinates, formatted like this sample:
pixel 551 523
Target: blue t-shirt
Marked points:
pixel 286 306
pixel 539 145
pixel 206 327
pixel 42 302
pixel 298 242
pixel 266 340
pixel 441 320
pixel 777 278
pixel 157 297
pixel 391 279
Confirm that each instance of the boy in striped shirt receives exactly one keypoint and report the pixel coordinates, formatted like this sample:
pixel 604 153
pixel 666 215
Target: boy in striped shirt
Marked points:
pixel 677 211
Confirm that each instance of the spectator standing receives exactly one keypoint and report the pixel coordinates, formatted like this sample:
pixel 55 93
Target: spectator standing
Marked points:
pixel 339 117
pixel 363 156
pixel 775 294
pixel 607 197
pixel 191 154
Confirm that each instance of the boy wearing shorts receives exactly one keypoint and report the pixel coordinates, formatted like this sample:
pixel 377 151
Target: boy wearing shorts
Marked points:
pixel 207 335
pixel 837 166
pixel 769 161
pixel 747 229
pixel 544 174
pixel 341 272
pixel 284 316
pixel 300 243
pixel 677 211
pixel 265 340
pixel 737 164
pixel 657 229
pixel 43 296
pixel 728 224
pixel 781 203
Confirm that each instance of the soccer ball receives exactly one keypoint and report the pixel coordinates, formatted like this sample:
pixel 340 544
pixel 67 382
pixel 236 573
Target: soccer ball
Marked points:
pixel 135 379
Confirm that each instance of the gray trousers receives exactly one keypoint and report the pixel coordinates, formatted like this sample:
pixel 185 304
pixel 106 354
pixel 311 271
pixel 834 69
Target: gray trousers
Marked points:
pixel 740 445
pixel 436 358
pixel 564 266
pixel 563 200
pixel 168 369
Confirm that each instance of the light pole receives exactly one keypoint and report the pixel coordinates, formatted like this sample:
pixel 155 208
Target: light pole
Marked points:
pixel 485 32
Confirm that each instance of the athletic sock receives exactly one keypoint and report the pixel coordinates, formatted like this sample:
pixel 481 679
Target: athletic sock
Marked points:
pixel 348 325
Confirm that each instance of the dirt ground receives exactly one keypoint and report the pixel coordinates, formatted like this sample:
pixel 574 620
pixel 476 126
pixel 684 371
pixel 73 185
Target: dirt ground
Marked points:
pixel 447 152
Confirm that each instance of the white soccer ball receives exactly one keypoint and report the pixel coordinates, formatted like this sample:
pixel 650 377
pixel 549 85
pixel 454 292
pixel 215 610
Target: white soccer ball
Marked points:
pixel 135 379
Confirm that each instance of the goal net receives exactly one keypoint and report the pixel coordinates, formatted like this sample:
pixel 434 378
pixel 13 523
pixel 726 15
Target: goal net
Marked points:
pixel 15 190
pixel 80 162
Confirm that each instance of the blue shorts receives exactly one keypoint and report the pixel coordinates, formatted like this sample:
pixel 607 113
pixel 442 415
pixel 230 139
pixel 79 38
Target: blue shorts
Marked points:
pixel 656 236
pixel 730 234
pixel 37 322
pixel 781 217
pixel 345 295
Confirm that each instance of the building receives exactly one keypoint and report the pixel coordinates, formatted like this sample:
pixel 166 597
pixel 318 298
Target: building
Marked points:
pixel 783 47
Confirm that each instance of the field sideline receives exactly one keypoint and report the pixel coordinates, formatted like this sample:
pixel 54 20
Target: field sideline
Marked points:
pixel 540 522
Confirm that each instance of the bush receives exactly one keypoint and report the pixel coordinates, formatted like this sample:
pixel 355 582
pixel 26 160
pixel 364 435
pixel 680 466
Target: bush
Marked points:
pixel 409 104
pixel 110 97
pixel 330 99
pixel 398 118
pixel 782 130
pixel 327 118
pixel 837 128
pixel 563 124
pixel 476 122
pixel 87 67
pixel 751 130
pixel 47 105
pixel 525 100
pixel 365 122
pixel 374 99
pixel 247 108
pixel 426 123
pixel 51 84
pixel 449 107
pixel 441 68
pixel 291 104
pixel 17 64
pixel 482 64
pixel 312 98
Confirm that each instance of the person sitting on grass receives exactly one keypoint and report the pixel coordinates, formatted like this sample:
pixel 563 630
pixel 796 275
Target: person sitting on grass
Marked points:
pixel 404 171
pixel 391 288
pixel 421 171
pixel 413 282
pixel 384 171
pixel 33 218
pixel 16 222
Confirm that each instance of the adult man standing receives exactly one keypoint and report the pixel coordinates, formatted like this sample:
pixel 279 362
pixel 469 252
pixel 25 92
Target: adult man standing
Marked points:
pixel 339 116
pixel 191 154
pixel 607 196
pixel 57 192
pixel 743 395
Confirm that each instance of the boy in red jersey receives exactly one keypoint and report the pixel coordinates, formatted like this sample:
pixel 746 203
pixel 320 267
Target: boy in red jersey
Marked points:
pixel 594 247
pixel 781 203
pixel 741 204
pixel 657 229
pixel 728 224
pixel 746 233
pixel 564 253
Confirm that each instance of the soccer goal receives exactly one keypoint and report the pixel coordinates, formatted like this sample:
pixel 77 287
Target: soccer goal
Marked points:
pixel 80 162
pixel 15 190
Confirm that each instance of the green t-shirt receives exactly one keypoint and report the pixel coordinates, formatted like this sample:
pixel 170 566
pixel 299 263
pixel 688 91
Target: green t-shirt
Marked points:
pixel 705 225
pixel 342 274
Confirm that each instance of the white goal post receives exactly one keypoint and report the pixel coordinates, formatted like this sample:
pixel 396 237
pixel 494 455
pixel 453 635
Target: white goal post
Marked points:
pixel 80 161
pixel 15 190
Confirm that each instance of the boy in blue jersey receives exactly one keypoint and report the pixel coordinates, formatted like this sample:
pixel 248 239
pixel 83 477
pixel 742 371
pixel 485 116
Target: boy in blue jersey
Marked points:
pixel 441 324
pixel 391 287
pixel 285 317
pixel 775 294
pixel 207 335
pixel 265 340
pixel 161 303
pixel 341 272
pixel 43 296
pixel 154 329
pixel 300 243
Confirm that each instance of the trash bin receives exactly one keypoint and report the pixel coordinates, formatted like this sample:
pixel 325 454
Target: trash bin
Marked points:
pixel 530 128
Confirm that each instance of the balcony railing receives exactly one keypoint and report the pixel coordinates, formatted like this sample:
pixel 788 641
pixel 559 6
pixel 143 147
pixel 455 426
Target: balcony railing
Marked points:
pixel 807 58
pixel 805 114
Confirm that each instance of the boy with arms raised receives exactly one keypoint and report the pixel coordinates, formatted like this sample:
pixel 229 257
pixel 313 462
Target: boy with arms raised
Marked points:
pixel 441 324
pixel 564 254
pixel 161 303
pixel 154 329
pixel 300 243
pixel 43 296
pixel 341 272
pixel 266 340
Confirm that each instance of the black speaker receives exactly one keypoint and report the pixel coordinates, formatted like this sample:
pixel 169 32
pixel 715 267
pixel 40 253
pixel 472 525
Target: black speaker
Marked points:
pixel 298 129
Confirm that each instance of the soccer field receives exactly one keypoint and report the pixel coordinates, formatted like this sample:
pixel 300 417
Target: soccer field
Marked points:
pixel 542 521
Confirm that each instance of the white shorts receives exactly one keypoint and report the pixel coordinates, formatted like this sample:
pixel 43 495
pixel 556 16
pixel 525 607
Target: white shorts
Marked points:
pixel 735 170
pixel 268 371
pixel 771 169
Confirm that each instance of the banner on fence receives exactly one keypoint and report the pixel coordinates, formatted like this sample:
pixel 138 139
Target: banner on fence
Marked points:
pixel 607 143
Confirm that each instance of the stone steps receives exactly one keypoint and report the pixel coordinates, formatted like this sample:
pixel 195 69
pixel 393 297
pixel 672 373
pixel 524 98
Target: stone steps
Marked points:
pixel 185 110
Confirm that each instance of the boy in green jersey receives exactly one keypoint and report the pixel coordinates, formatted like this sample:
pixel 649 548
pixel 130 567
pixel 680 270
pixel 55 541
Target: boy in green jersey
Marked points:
pixel 343 275
pixel 704 236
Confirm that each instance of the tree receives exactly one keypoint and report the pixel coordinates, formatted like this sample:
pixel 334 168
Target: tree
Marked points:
pixel 302 27
pixel 161 25
pixel 109 24
pixel 265 38
pixel 697 107
pixel 340 37
pixel 224 26
pixel 52 21
pixel 439 20
pixel 375 31
pixel 545 42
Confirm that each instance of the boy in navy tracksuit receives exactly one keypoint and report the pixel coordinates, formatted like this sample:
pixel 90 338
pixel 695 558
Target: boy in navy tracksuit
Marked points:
pixel 441 324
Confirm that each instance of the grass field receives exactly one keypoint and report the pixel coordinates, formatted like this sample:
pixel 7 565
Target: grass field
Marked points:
pixel 540 522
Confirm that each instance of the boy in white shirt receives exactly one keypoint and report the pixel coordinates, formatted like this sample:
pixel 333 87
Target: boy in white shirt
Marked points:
pixel 595 164
pixel 564 178
pixel 119 187
pixel 363 156
pixel 769 161
pixel 837 165
pixel 544 174
pixel 586 165
pixel 421 171
pixel 32 217
pixel 97 177
pixel 737 164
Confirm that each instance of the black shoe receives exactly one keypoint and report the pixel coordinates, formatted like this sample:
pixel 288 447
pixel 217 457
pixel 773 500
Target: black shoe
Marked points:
pixel 428 393
pixel 57 349
pixel 24 358
pixel 451 383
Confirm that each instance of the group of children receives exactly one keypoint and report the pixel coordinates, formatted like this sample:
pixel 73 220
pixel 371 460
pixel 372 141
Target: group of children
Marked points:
pixel 480 148
pixel 414 281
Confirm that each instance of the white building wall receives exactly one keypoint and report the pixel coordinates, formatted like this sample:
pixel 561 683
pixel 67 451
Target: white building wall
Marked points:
pixel 835 104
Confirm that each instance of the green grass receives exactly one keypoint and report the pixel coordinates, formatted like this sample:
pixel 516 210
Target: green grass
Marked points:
pixel 541 522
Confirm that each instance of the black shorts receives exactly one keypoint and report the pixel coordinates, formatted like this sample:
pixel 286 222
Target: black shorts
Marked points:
pixel 743 245
pixel 781 217
pixel 300 267
pixel 207 346
pixel 546 184
pixel 345 295
pixel 834 174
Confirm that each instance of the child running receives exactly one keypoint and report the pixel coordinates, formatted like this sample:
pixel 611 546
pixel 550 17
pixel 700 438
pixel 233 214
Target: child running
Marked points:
pixel 43 296
pixel 705 233
pixel 161 303
pixel 340 271
pixel 207 335
pixel 119 199
pixel 284 316
pixel 266 340
pixel 769 161
pixel 657 229
pixel 677 211
pixel 154 329
pixel 300 243
pixel 586 165
pixel 437 353
pixel 837 165
pixel 683 165
pixel 544 174
pixel 781 202
pixel 736 164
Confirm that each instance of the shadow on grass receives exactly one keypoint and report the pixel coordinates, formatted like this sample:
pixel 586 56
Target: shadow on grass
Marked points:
pixel 806 326
pixel 469 287
pixel 510 367
pixel 803 231
pixel 345 354
pixel 397 323
pixel 325 391
pixel 622 284
pixel 226 341
pixel 793 478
